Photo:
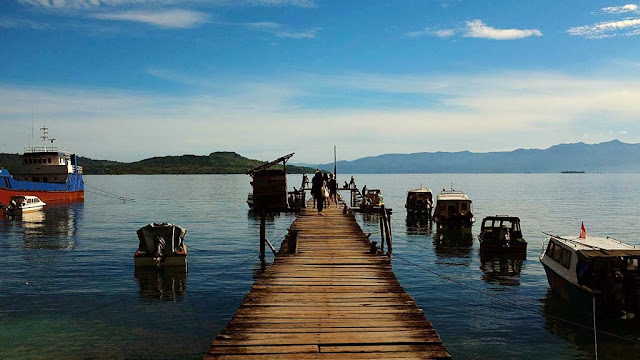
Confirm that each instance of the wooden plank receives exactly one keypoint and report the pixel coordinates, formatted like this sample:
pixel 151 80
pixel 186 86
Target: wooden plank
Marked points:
pixel 332 299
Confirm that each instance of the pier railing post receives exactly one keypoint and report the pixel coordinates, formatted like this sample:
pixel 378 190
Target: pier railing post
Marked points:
pixel 381 235
pixel 263 235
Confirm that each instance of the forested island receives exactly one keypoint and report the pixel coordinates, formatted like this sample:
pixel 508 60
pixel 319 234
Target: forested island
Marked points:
pixel 220 162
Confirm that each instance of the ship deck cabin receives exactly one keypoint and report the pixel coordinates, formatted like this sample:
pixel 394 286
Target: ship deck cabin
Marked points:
pixel 419 201
pixel 372 198
pixel 497 228
pixel 40 165
pixel 501 235
pixel 453 210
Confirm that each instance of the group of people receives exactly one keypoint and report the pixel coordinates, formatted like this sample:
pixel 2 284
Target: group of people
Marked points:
pixel 324 189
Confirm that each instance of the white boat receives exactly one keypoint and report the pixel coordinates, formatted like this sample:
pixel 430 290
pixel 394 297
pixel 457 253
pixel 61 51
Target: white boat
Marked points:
pixel 453 211
pixel 580 268
pixel 161 245
pixel 20 204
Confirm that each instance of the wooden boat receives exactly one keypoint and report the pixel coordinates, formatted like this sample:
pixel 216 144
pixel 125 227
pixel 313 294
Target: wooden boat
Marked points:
pixel 161 245
pixel 419 201
pixel 20 204
pixel 501 235
pixel 581 268
pixel 453 211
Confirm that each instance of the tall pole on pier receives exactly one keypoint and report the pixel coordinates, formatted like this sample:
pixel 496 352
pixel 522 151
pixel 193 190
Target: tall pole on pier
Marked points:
pixel 335 163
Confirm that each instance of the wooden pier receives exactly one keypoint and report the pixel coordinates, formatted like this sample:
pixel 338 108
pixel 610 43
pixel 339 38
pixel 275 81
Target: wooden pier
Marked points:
pixel 326 296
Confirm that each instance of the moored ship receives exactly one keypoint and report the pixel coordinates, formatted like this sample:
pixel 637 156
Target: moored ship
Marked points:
pixel 48 172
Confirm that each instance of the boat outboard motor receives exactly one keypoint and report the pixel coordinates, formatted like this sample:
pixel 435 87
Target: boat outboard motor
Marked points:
pixel 160 246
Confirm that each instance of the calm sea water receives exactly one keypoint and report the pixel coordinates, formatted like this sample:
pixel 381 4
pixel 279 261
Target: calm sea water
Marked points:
pixel 68 287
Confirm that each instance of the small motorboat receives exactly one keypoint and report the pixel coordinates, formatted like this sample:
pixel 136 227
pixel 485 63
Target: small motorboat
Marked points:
pixel 581 268
pixel 453 211
pixel 20 204
pixel 419 201
pixel 161 245
pixel 501 235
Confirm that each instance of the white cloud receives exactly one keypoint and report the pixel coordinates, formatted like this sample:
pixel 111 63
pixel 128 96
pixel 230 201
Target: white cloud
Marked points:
pixel 162 18
pixel 478 29
pixel 607 29
pixel 84 4
pixel 21 23
pixel 441 33
pixel 297 3
pixel 629 8
pixel 79 4
pixel 281 30
pixel 476 112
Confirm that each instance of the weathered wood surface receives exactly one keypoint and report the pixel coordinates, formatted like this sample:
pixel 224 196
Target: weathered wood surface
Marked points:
pixel 331 299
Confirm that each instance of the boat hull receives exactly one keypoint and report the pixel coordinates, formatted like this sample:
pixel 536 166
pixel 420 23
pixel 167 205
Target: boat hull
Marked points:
pixel 46 196
pixel 567 290
pixel 148 261
pixel 72 190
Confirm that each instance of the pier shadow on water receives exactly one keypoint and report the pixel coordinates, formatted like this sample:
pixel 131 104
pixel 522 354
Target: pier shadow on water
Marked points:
pixel 164 284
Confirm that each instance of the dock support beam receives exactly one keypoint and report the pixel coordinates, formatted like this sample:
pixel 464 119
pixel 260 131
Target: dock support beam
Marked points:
pixel 263 234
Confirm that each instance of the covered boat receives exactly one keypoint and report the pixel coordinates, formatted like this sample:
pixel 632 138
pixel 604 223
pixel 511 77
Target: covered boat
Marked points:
pixel 453 211
pixel 48 172
pixel 501 235
pixel 20 204
pixel 419 201
pixel 161 245
pixel 579 268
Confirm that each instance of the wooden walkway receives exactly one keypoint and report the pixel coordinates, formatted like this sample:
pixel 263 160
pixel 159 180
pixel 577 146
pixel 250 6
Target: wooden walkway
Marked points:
pixel 331 299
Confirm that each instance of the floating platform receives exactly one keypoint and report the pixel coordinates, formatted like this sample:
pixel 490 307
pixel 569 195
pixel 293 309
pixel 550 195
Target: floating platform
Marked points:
pixel 327 297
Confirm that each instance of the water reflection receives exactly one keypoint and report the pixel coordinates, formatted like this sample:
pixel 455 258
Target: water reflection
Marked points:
pixel 52 228
pixel 501 271
pixel 450 244
pixel 419 225
pixel 165 283
pixel 573 322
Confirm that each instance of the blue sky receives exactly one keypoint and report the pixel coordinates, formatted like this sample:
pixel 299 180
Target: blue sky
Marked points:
pixel 126 80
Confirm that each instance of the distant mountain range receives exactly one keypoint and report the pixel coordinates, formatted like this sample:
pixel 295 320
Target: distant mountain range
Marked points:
pixel 607 157
pixel 220 162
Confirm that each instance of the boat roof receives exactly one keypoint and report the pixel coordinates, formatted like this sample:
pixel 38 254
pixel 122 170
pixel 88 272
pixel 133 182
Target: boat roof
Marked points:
pixel 25 197
pixel 423 190
pixel 598 247
pixel 502 217
pixel 453 195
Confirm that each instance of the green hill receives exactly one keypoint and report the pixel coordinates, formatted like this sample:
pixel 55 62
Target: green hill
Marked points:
pixel 221 162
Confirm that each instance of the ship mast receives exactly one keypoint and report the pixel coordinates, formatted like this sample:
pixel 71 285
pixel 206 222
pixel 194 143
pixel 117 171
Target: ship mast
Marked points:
pixel 44 137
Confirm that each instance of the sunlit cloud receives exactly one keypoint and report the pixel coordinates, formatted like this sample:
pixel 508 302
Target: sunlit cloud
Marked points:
pixel 478 29
pixel 505 110
pixel 281 30
pixel 83 4
pixel 626 27
pixel 22 23
pixel 296 3
pixel 441 33
pixel 629 8
pixel 162 18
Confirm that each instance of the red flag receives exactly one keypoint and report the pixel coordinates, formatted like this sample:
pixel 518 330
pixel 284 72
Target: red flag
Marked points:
pixel 583 232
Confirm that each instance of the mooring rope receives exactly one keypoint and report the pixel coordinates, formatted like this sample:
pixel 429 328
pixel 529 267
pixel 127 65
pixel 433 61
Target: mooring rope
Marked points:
pixel 516 305
pixel 107 193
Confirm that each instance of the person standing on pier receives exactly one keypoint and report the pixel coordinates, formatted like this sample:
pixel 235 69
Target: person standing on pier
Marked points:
pixel 316 190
